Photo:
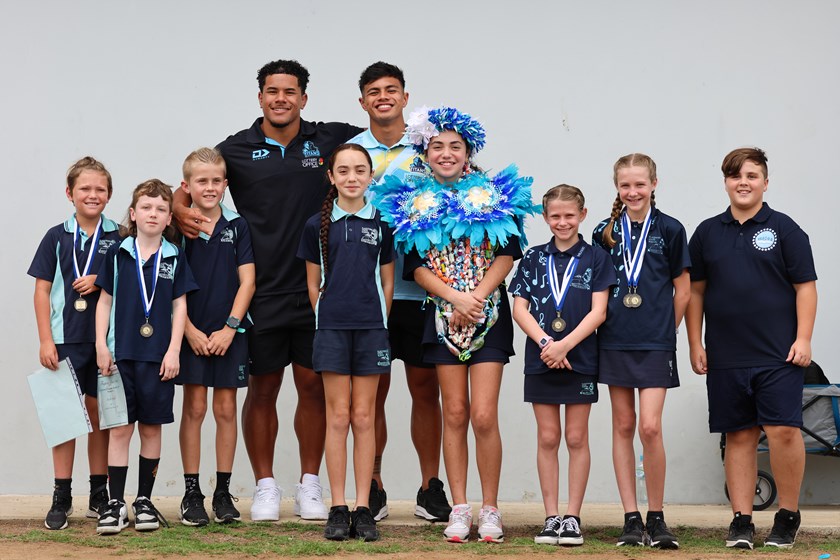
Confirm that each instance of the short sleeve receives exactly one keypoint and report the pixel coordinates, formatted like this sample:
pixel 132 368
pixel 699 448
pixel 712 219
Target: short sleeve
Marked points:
pixel 413 261
pixel 244 248
pixel 695 251
pixel 105 276
pixel 519 285
pixel 310 247
pixel 512 249
pixel 46 258
pixel 604 275
pixel 184 282
pixel 678 257
pixel 798 256
pixel 386 251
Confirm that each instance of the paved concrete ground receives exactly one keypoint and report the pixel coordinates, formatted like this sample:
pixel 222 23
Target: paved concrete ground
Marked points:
pixel 402 513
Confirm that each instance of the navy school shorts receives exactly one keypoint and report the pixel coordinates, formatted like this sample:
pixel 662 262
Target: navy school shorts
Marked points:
pixel 742 398
pixel 83 359
pixel 561 386
pixel 352 352
pixel 224 372
pixel 147 398
pixel 638 369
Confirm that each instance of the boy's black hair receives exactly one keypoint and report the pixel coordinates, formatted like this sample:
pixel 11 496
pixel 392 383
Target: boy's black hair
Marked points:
pixel 380 70
pixel 290 67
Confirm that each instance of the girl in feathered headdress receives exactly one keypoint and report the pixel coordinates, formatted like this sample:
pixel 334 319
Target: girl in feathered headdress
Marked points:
pixel 462 231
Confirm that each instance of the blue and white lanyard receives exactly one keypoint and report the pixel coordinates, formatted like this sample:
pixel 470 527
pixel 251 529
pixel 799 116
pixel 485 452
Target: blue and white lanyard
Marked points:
pixel 147 301
pixel 91 250
pixel 633 262
pixel 559 292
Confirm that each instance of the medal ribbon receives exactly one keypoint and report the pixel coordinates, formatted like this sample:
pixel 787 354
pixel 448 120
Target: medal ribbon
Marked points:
pixel 633 262
pixel 147 301
pixel 559 291
pixel 91 250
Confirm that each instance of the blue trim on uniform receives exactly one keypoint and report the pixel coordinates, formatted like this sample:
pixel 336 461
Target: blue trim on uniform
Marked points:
pixel 167 248
pixel 273 142
pixel 367 212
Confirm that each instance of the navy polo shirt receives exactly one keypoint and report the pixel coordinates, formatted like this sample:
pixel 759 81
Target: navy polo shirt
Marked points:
pixel 651 326
pixel 594 273
pixel 275 188
pixel 118 277
pixel 358 244
pixel 53 262
pixel 750 270
pixel 214 262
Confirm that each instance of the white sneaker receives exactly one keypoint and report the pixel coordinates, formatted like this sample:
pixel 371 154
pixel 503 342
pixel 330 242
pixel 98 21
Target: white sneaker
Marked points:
pixel 490 525
pixel 460 523
pixel 308 501
pixel 266 506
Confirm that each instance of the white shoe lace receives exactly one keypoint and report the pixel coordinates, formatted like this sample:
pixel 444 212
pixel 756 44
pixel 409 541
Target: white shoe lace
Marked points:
pixel 552 523
pixel 570 524
pixel 267 495
pixel 461 515
pixel 310 492
pixel 490 516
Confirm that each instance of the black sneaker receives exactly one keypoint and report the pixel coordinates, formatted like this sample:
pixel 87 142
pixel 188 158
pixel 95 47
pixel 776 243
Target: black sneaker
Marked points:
pixel 146 515
pixel 633 533
pixel 378 501
pixel 223 509
pixel 338 524
pixel 113 519
pixel 785 527
pixel 550 530
pixel 432 503
pixel 741 532
pixel 62 506
pixel 97 502
pixel 363 525
pixel 570 534
pixel 192 511
pixel 659 534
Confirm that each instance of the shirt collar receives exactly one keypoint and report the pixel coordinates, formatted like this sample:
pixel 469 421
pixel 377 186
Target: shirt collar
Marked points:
pixel 227 216
pixel 107 225
pixel 368 141
pixel 167 248
pixel 552 249
pixel 367 212
pixel 760 217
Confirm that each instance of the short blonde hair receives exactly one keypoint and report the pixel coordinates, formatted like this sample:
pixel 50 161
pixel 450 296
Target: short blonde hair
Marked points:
pixel 210 156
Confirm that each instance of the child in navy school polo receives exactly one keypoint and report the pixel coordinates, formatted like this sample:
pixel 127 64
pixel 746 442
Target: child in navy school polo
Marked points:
pixel 651 326
pixel 53 262
pixel 594 273
pixel 358 244
pixel 217 259
pixel 750 307
pixel 118 277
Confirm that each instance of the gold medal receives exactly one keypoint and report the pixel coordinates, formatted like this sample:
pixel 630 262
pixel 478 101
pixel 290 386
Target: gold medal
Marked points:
pixel 637 300
pixel 558 324
pixel 632 300
pixel 146 330
pixel 80 304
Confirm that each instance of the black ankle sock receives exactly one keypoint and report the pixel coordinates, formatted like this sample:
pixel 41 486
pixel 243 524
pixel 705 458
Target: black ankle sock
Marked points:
pixel 191 483
pixel 97 481
pixel 631 514
pixel 147 474
pixel 116 482
pixel 222 483
pixel 62 485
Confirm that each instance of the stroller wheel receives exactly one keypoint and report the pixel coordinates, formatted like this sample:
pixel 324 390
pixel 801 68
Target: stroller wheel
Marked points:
pixel 765 491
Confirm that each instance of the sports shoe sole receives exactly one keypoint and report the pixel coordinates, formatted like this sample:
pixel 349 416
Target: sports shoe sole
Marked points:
pixel 146 526
pixel 227 520
pixel 382 513
pixel 545 540
pixel 457 539
pixel 570 541
pixel 422 513
pixel 491 539
pixel 781 546
pixel 665 545
pixel 188 523
pixel 112 530
pixel 743 544
pixel 265 516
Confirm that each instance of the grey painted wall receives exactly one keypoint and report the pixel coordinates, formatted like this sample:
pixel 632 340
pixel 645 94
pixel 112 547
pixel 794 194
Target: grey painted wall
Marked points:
pixel 564 89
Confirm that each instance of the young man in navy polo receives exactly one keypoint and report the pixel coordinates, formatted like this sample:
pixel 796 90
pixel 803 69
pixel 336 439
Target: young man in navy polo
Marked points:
pixel 753 278
pixel 276 174
pixel 382 86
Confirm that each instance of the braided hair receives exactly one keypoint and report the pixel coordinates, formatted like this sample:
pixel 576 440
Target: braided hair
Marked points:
pixel 327 208
pixel 630 160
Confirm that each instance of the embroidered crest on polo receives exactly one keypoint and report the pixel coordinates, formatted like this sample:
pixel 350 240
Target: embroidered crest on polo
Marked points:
pixel 226 236
pixel 310 149
pixel 765 239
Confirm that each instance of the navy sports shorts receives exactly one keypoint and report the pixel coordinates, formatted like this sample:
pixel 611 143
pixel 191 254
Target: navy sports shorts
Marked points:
pixel 83 358
pixel 561 386
pixel 352 352
pixel 405 332
pixel 284 326
pixel 225 372
pixel 638 369
pixel 147 398
pixel 742 398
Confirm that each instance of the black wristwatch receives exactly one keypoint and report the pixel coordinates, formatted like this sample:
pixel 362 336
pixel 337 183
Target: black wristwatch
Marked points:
pixel 544 341
pixel 233 322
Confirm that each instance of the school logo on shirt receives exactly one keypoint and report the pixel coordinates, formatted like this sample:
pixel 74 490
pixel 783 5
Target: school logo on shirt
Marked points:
pixel 581 281
pixel 226 236
pixel 370 235
pixel 655 245
pixel 104 245
pixel 383 358
pixel 259 154
pixel 765 239
pixel 167 271
pixel 310 149
pixel 587 389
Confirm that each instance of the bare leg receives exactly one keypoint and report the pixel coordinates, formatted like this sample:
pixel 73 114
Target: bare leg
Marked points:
pixel 150 437
pixel 623 404
pixel 120 439
pixel 549 432
pixel 259 422
pixel 651 403
pixel 63 455
pixel 337 390
pixel 577 442
pixel 97 444
pixel 310 419
pixel 362 419
pixel 454 391
pixel 485 383
pixel 787 459
pixel 192 416
pixel 741 465
pixel 224 412
pixel 381 427
pixel 426 421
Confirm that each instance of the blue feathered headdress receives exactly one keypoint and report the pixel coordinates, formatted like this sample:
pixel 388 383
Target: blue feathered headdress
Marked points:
pixel 494 207
pixel 415 211
pixel 425 123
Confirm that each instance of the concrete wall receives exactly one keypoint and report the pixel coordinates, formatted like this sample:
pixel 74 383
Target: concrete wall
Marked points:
pixel 563 88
